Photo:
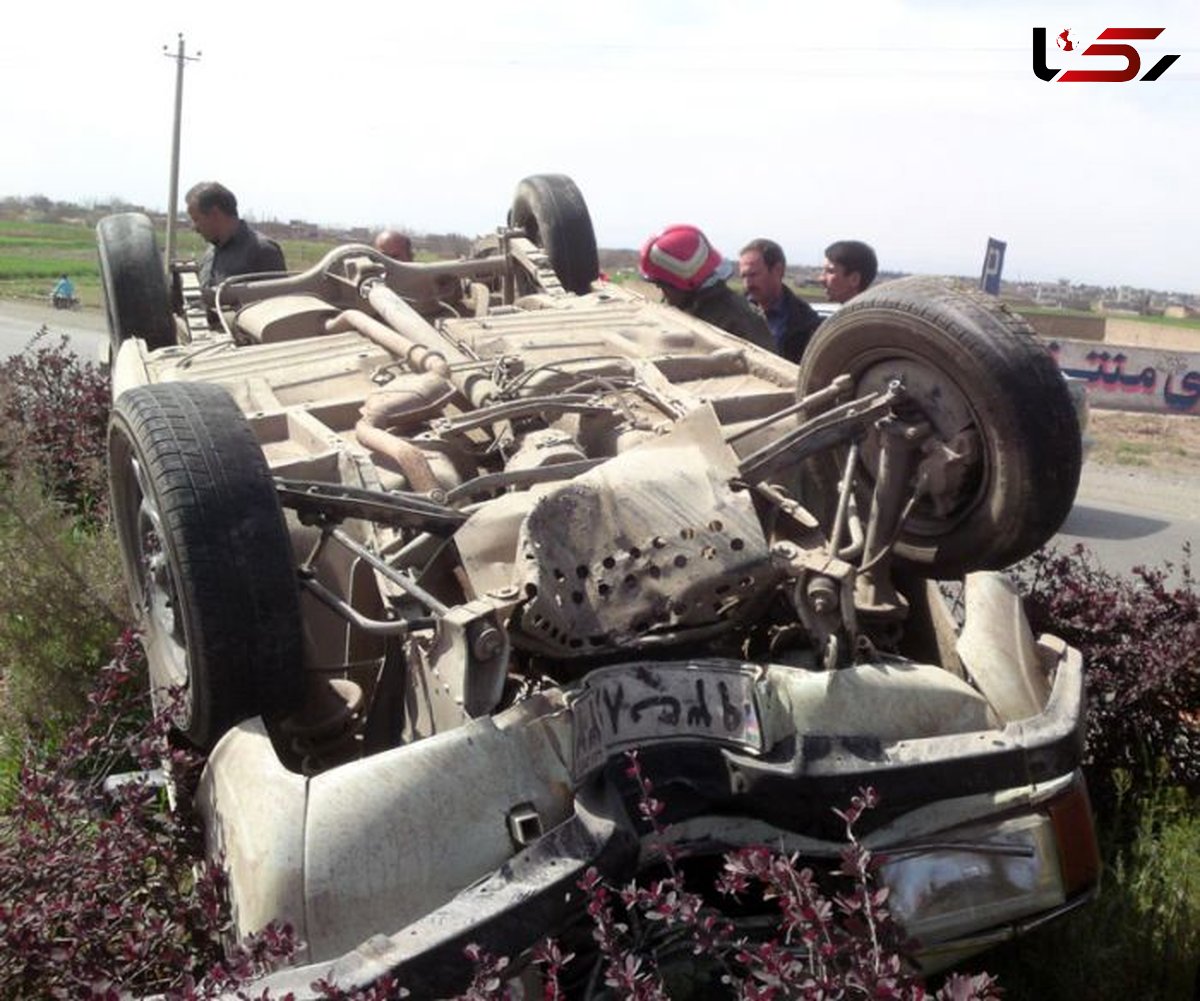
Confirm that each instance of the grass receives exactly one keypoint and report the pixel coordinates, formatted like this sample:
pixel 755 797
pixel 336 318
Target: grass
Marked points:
pixel 1186 323
pixel 1141 454
pixel 1166 442
pixel 63 601
pixel 1167 321
pixel 1130 453
pixel 1140 938
pixel 34 254
pixel 62 607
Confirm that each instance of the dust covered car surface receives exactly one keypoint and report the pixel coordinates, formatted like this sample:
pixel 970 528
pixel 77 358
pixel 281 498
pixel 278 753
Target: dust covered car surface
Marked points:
pixel 428 546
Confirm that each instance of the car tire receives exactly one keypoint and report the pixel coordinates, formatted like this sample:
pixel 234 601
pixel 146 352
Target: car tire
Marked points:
pixel 206 555
pixel 552 212
pixel 973 369
pixel 134 280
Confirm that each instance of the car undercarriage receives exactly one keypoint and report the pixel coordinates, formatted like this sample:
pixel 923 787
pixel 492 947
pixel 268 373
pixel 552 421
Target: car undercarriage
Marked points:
pixel 427 547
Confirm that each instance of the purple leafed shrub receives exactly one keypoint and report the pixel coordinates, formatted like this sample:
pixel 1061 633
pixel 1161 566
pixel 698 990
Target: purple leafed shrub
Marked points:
pixel 1139 637
pixel 62 603
pixel 103 891
pixel 844 945
pixel 55 407
pixel 103 894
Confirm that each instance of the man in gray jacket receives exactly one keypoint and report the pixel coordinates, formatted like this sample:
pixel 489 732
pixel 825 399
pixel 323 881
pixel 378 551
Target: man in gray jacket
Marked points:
pixel 235 249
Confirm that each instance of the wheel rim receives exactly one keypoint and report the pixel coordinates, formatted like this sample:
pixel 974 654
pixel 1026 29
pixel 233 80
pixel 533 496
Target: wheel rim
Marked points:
pixel 159 610
pixel 956 486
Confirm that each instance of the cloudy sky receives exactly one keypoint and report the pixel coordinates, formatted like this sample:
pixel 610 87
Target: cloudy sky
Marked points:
pixel 917 126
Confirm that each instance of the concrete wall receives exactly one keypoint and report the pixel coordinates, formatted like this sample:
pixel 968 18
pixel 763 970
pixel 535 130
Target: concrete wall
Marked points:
pixel 1127 364
pixel 1128 377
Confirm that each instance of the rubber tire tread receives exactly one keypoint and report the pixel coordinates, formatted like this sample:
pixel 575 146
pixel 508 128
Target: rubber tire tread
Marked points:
pixel 551 210
pixel 135 285
pixel 227 546
pixel 1033 441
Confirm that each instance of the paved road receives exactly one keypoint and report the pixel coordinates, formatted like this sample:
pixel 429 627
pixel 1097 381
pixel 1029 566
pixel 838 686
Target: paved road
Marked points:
pixel 1130 516
pixel 21 320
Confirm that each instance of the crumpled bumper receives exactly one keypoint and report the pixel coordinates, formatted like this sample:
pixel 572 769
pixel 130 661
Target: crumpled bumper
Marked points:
pixel 481 834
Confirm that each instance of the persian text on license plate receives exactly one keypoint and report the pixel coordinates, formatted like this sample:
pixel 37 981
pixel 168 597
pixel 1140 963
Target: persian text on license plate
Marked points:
pixel 632 705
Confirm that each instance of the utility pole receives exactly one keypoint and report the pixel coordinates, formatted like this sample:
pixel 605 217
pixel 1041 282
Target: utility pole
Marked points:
pixel 180 58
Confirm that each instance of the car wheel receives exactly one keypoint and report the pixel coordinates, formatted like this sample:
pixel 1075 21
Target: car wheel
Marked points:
pixel 135 283
pixel 990 392
pixel 206 556
pixel 552 212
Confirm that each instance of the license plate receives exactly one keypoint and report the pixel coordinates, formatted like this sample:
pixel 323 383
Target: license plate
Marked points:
pixel 633 705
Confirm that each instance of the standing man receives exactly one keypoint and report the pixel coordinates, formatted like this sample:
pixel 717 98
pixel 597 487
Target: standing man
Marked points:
pixel 850 266
pixel 236 248
pixel 791 319
pixel 691 273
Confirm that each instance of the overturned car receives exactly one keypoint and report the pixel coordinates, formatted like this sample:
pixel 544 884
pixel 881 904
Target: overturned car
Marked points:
pixel 428 546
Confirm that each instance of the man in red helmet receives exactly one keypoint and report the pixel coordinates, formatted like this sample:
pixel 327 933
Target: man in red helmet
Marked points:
pixel 691 273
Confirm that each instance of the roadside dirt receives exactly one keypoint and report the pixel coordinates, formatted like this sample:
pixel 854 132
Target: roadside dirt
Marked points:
pixel 1165 444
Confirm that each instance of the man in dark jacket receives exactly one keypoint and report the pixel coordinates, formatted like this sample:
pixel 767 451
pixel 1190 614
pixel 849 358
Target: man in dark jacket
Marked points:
pixel 761 266
pixel 235 249
pixel 691 273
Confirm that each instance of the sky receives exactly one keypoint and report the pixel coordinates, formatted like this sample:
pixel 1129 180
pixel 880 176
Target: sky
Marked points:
pixel 919 127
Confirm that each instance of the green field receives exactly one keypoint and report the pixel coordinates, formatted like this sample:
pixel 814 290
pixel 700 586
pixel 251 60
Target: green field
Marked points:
pixel 1167 321
pixel 34 254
